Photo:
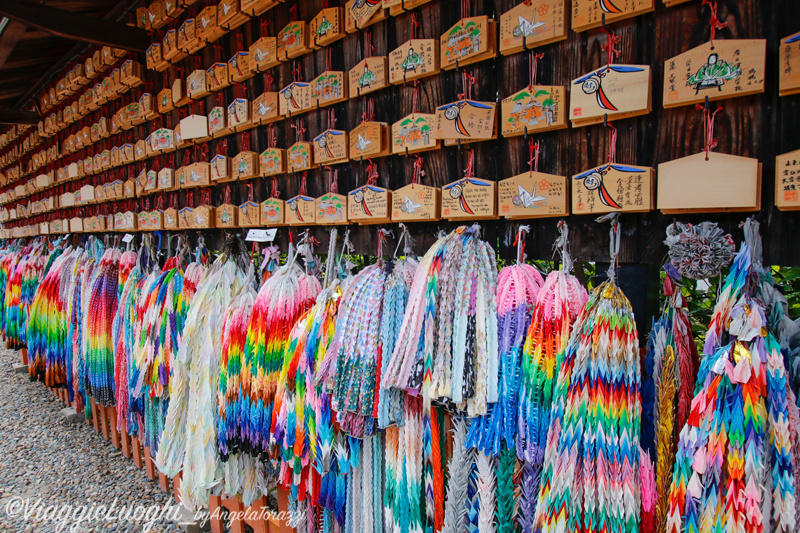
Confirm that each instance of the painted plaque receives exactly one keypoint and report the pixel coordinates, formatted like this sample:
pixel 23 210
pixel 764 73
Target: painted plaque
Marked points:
pixel 414 133
pixel 465 119
pixel 789 67
pixel 532 24
pixel 414 59
pixel 618 91
pixel 469 198
pixel 368 75
pixel 613 187
pixel 533 109
pixel 588 14
pixel 416 203
pixel 532 195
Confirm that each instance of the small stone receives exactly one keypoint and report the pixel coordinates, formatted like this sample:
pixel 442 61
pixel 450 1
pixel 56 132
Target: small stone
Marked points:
pixel 20 368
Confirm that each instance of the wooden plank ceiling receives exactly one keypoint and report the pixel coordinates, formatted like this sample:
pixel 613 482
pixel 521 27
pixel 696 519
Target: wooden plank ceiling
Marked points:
pixel 27 53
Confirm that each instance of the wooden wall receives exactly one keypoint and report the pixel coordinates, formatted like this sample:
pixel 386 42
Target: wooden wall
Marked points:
pixel 761 126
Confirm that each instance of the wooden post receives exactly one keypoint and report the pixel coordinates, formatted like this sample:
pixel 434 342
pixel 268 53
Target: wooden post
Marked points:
pixel 23 353
pixel 103 420
pixel 176 485
pixel 111 414
pixel 215 515
pixel 149 466
pixel 95 415
pixel 257 512
pixel 236 508
pixel 136 452
pixel 283 510
pixel 125 442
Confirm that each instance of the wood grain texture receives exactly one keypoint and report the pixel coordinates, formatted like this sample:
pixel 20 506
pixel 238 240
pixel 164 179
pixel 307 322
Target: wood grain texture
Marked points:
pixel 760 126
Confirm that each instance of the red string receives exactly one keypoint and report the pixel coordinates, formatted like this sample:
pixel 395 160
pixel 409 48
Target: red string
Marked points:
pixel 293 13
pixel 222 147
pixel 419 172
pixel 534 63
pixel 244 141
pixel 328 61
pixel 269 81
pixel 333 180
pixel 520 246
pixel 611 40
pixel 297 71
pixel 227 198
pixel 303 183
pixel 708 127
pixel 331 119
pixel 372 173
pixel 217 53
pixel 274 193
pixel 533 151
pixel 264 25
pixel 469 172
pixel 368 48
pixel 715 23
pixel 250 191
pixel 299 130
pixel 465 9
pixel 612 140
pixel 415 98
pixel 368 110
pixel 414 25
pixel 468 80
pixel 272 138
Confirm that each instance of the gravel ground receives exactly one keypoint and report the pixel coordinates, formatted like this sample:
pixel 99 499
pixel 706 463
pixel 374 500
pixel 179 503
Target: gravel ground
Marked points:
pixel 42 456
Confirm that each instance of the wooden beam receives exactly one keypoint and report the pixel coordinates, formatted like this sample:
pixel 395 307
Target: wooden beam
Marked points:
pixel 9 38
pixel 77 27
pixel 12 116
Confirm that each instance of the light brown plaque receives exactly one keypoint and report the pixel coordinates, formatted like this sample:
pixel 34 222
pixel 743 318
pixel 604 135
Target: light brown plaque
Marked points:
pixel 617 187
pixel 330 147
pixel 143 220
pixel 244 165
pixel 368 75
pixel 787 181
pixel 156 219
pixel 164 99
pixel 359 14
pixel 469 198
pixel 198 175
pixel 414 133
pixel 790 65
pixel 265 108
pixel 329 88
pixel 722 183
pixel 197 84
pixel 257 7
pixel 326 27
pixel 264 54
pixel 369 204
pixel 533 109
pixel 217 77
pixel 221 169
pixel 166 179
pixel 369 139
pixel 733 68
pixel 535 24
pixel 239 114
pixel 533 195
pixel 249 214
pixel 299 157
pixel 465 119
pixel 293 40
pixel 300 211
pixel 272 211
pixel 294 98
pixel 217 121
pixel 239 67
pixel 618 91
pixel 470 40
pixel 229 14
pixel 588 14
pixel 170 218
pixel 398 7
pixel 413 60
pixel 273 161
pixel 331 209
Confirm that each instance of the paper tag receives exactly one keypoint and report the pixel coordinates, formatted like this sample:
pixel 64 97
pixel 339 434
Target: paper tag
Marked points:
pixel 127 238
pixel 262 235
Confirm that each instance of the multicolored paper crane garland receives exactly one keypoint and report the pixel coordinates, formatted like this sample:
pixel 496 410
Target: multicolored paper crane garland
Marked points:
pixel 99 331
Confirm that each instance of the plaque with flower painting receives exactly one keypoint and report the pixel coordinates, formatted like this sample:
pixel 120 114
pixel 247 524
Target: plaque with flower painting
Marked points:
pixel 239 67
pixel 294 98
pixel 264 54
pixel 531 24
pixel 359 14
pixel 469 198
pixel 369 139
pixel 613 187
pixel 156 220
pixel 732 68
pixel 299 157
pixel 249 214
pixel 369 204
pixel 466 120
pixel 588 14
pixel 329 88
pixel 414 59
pixel 414 133
pixel 143 220
pixel 368 75
pixel 272 210
pixel 265 108
pixel 217 77
pixel 217 121
pixel 220 169
pixel 790 65
pixel 300 211
pixel 613 91
pixel 170 218
pixel 245 165
pixel 239 114
pixel 470 40
pixel 273 161
pixel 229 15
pixel 162 140
pixel 293 40
pixel 533 195
pixel 330 147
pixel 331 209
pixel 533 109
pixel 326 27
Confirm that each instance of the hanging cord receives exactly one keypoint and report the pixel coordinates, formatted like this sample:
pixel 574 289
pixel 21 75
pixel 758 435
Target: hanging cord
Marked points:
pixel 534 67
pixel 405 240
pixel 414 26
pixel 562 246
pixel 611 40
pixel 333 180
pixel 368 47
pixel 326 280
pixel 519 242
pixel 612 144
pixel 299 130
pixel 331 119
pixel 469 172
pixel 467 81
pixel 715 23
pixel 415 98
pixel 347 249
pixel 419 172
pixel 752 237
pixel 614 241
pixel 368 110
pixel 465 9
pixel 533 151
pixel 708 126
pixel 382 236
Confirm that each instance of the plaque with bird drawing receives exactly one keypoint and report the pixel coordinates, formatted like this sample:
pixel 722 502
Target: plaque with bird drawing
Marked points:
pixel 532 195
pixel 369 204
pixel 416 203
pixel 588 14
pixel 265 108
pixel 465 119
pixel 533 109
pixel 264 54
pixel 369 139
pixel 531 24
pixel 613 187
pixel 726 69
pixel 616 91
pixel 469 198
